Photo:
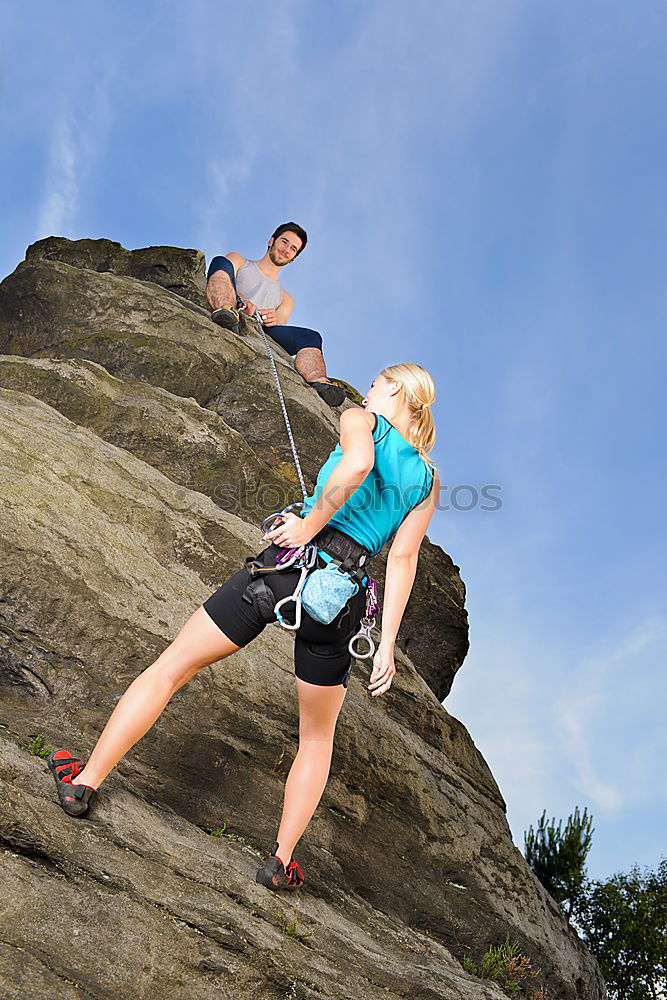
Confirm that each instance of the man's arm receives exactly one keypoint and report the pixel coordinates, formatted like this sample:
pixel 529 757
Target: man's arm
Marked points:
pixel 236 259
pixel 284 310
pixel 279 316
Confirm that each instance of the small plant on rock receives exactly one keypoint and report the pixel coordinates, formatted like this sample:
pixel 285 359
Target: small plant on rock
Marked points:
pixel 505 965
pixel 37 748
pixel 289 926
pixel 277 769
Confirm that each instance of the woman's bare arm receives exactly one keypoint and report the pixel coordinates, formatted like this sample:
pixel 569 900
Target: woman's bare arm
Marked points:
pixel 402 562
pixel 356 439
pixel 401 569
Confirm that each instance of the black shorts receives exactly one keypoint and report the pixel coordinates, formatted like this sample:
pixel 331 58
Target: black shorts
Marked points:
pixel 321 655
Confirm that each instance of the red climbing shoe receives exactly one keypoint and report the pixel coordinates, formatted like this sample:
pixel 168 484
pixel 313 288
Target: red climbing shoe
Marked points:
pixel 75 799
pixel 274 876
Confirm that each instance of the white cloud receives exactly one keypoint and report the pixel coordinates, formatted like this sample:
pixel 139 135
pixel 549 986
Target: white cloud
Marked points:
pixel 345 136
pixel 60 198
pixel 600 715
pixel 559 730
pixel 241 104
pixel 81 125
pixel 577 724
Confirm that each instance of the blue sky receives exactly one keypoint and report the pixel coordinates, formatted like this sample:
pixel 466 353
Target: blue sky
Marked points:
pixel 483 185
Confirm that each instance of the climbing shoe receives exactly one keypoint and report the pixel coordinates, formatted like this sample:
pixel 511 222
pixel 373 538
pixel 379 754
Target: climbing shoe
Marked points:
pixel 75 799
pixel 274 875
pixel 227 318
pixel 329 392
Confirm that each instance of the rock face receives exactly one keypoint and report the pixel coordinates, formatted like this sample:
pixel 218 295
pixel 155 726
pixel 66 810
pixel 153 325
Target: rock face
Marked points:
pixel 140 446
pixel 180 271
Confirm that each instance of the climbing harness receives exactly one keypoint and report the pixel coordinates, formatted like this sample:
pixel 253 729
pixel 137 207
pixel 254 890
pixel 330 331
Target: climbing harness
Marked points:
pixel 334 556
pixel 367 623
pixel 327 590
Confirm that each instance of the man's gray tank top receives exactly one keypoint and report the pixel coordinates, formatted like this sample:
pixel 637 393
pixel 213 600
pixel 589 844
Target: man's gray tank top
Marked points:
pixel 266 293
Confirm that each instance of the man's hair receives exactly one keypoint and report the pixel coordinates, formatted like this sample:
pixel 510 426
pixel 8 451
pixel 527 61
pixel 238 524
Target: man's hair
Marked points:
pixel 292 227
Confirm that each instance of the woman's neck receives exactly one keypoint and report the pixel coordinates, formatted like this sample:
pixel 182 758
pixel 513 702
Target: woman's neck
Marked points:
pixel 400 421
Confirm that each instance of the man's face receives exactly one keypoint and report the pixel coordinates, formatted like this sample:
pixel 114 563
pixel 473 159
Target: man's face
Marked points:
pixel 284 248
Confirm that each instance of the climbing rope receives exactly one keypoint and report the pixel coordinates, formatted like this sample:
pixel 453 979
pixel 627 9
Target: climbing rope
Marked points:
pixel 282 403
pixel 305 557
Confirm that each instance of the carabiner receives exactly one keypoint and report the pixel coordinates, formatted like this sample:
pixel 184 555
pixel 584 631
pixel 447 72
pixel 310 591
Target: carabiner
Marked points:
pixel 363 635
pixel 287 558
pixel 278 517
pixel 304 555
pixel 305 558
pixel 296 598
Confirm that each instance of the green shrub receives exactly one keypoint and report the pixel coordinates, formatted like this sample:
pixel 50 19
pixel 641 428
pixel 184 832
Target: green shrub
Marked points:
pixel 37 748
pixel 289 926
pixel 505 965
pixel 623 920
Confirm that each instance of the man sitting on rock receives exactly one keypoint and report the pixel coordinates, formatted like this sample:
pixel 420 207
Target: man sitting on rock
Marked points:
pixel 253 285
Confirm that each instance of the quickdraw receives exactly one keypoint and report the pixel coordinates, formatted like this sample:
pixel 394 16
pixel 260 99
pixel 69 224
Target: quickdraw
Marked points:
pixel 367 623
pixel 305 561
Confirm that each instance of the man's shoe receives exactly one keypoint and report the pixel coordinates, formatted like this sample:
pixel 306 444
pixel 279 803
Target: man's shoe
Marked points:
pixel 329 392
pixel 75 799
pixel 227 318
pixel 274 875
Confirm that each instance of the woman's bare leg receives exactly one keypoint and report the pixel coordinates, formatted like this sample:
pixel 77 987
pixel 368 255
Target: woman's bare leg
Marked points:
pixel 319 707
pixel 199 643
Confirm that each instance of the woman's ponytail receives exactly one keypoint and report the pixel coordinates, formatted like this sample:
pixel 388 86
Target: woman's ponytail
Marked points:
pixel 418 393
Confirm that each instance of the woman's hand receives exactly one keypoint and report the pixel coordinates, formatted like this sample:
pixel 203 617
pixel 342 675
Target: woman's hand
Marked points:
pixel 292 533
pixel 383 670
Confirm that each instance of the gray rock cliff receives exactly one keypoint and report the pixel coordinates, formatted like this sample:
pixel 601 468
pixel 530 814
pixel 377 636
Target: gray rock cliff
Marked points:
pixel 140 446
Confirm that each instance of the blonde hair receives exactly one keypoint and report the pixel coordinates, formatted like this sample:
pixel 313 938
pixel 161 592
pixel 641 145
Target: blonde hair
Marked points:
pixel 417 391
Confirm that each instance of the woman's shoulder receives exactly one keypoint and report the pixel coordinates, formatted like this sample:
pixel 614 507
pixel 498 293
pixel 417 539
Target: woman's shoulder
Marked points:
pixel 356 416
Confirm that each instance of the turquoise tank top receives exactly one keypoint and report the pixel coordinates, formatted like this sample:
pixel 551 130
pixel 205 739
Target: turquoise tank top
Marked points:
pixel 399 480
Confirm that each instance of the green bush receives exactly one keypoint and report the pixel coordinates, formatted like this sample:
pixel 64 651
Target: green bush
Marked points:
pixel 624 923
pixel 37 748
pixel 505 965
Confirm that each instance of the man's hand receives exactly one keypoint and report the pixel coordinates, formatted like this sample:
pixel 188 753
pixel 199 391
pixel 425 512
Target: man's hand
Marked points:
pixel 269 317
pixel 292 533
pixel 249 308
